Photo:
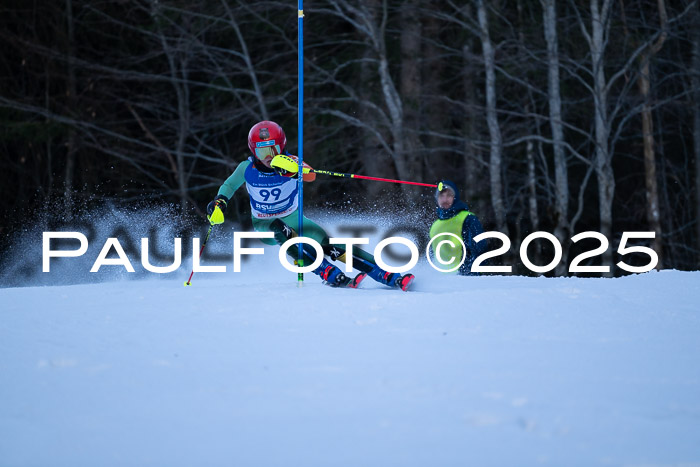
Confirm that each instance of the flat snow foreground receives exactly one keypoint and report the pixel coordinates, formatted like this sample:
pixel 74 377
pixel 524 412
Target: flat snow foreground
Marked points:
pixel 250 370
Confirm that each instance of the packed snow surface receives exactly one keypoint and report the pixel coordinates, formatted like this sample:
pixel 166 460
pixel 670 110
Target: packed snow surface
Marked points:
pixel 247 369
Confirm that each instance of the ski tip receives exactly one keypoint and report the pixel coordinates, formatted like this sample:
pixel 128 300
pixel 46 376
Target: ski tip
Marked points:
pixel 405 282
pixel 355 282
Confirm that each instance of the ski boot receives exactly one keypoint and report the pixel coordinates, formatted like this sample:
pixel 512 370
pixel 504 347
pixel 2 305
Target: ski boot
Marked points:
pixel 334 277
pixel 404 282
pixel 392 279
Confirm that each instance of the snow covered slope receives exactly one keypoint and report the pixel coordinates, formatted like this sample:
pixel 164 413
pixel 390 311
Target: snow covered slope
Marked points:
pixel 247 369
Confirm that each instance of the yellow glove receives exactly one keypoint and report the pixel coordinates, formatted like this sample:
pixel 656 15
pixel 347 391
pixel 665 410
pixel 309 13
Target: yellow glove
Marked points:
pixel 286 165
pixel 216 209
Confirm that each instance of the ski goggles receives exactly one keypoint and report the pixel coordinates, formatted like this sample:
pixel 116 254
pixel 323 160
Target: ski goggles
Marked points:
pixel 264 149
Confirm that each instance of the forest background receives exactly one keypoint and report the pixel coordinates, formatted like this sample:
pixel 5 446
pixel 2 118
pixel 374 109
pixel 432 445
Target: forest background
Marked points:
pixel 562 116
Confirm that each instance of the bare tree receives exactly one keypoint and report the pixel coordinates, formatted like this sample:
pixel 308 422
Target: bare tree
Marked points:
pixel 644 86
pixel 600 23
pixel 71 93
pixel 473 159
pixel 463 145
pixel 411 86
pixel 496 152
pixel 369 18
pixel 434 119
pixel 561 197
pixel 609 121
pixel 695 80
pixel 505 96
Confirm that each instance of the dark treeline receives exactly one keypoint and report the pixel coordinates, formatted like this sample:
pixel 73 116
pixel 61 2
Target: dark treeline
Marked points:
pixel 562 116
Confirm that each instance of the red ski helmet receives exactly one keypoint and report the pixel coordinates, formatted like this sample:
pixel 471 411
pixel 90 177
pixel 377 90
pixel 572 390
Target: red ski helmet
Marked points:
pixel 265 139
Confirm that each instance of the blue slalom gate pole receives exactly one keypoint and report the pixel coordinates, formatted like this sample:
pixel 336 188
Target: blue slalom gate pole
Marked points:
pixel 300 137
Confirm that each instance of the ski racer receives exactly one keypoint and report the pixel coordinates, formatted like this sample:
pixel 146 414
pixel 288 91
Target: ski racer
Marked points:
pixel 271 179
pixel 454 217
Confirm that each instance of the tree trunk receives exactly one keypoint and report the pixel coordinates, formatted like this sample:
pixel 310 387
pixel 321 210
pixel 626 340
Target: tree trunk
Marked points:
pixel 392 100
pixel 49 139
pixel 433 108
pixel 410 83
pixel 472 163
pixel 561 205
pixel 183 105
pixel 71 91
pixel 495 159
pixel 529 146
pixel 393 103
pixel 177 67
pixel 652 186
pixel 696 127
pixel 603 162
pixel 532 185
pixel 370 153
